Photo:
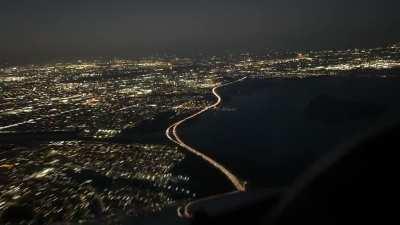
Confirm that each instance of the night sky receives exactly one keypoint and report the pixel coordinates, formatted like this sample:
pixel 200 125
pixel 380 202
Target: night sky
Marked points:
pixel 33 29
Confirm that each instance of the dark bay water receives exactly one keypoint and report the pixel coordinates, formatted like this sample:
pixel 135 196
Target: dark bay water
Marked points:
pixel 269 131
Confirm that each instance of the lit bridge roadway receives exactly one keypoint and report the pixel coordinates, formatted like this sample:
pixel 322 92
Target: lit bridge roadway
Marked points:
pixel 172 135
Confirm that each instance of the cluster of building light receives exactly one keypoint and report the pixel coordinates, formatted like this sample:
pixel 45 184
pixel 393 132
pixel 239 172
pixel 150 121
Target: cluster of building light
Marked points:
pixel 100 100
pixel 70 177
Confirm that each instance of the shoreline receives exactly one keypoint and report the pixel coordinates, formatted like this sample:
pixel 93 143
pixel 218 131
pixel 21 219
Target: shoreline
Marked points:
pixel 172 134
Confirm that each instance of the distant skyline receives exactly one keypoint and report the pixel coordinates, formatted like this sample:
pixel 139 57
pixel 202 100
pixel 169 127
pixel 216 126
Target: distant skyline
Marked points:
pixel 45 29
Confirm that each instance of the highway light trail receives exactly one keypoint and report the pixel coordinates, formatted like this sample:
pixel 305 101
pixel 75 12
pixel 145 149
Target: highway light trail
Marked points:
pixel 172 134
pixel 37 119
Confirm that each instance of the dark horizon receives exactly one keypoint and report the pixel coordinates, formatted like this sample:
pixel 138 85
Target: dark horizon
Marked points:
pixel 43 30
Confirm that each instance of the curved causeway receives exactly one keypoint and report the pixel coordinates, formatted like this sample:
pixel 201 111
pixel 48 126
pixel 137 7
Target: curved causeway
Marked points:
pixel 172 135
